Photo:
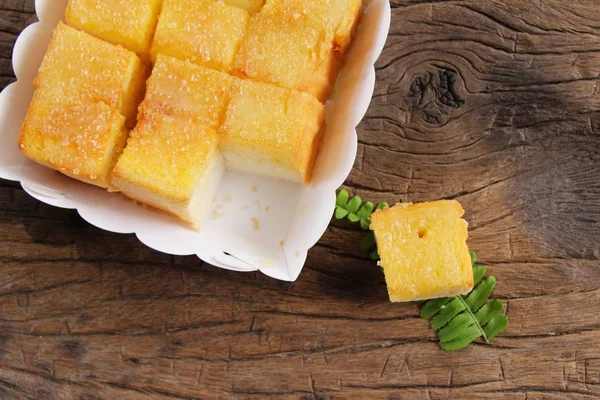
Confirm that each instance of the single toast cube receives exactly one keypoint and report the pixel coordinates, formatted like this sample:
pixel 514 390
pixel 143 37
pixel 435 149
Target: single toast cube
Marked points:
pixel 186 90
pixel 272 131
pixel 337 16
pixel 129 23
pixel 205 32
pixel 80 139
pixel 171 164
pixel 423 250
pixel 253 6
pixel 77 64
pixel 290 52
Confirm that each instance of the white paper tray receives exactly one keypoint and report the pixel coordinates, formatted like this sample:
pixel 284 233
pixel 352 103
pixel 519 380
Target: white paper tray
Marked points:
pixel 290 218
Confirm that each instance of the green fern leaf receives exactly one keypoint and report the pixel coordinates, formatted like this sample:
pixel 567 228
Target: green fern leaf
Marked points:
pixel 355 211
pixel 366 210
pixel 342 198
pixel 447 312
pixel 341 213
pixel 489 311
pixel 496 325
pixel 478 273
pixel 368 242
pixel 432 307
pixel 383 205
pixel 375 255
pixel 354 204
pixel 461 320
pixel 481 293
pixel 353 217
pixel 467 337
pixel 473 256
pixel 455 328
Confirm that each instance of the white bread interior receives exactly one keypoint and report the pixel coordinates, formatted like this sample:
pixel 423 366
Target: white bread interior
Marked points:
pixel 193 211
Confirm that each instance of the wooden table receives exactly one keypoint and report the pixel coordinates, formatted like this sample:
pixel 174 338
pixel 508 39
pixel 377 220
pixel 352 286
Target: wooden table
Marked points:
pixel 493 103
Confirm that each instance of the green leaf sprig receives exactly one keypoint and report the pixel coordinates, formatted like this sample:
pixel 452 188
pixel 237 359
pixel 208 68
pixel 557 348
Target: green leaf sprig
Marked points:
pixel 458 320
pixel 355 210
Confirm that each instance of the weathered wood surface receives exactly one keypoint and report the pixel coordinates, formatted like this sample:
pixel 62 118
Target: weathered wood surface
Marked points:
pixel 494 103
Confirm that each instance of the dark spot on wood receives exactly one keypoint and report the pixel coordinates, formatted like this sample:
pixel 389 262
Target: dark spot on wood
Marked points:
pixel 435 95
pixel 74 349
pixel 177 343
pixel 45 366
pixel 133 361
pixel 83 319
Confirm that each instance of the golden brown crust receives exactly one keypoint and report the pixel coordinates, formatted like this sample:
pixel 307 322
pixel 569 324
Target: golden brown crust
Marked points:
pixel 164 155
pixel 78 139
pixel 423 250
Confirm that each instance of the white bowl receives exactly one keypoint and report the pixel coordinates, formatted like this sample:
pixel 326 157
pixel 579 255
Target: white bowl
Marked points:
pixel 290 218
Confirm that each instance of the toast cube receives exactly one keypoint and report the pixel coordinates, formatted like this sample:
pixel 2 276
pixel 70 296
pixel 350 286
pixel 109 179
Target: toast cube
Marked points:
pixel 171 164
pixel 253 6
pixel 186 90
pixel 272 131
pixel 205 32
pixel 289 52
pixel 337 16
pixel 78 64
pixel 129 23
pixel 423 250
pixel 80 139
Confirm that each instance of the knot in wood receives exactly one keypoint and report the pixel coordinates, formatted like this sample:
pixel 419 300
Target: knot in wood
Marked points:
pixel 434 95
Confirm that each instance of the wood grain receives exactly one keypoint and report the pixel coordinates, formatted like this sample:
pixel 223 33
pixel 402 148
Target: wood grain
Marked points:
pixel 493 103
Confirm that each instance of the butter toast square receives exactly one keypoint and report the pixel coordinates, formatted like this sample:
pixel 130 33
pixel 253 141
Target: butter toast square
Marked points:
pixel 423 250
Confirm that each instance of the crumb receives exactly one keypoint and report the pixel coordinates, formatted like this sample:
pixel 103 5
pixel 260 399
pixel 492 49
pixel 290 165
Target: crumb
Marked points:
pixel 219 206
pixel 226 198
pixel 216 215
pixel 256 224
pixel 297 254
pixel 266 263
pixel 245 207
pixel 281 243
pixel 254 188
pixel 267 208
